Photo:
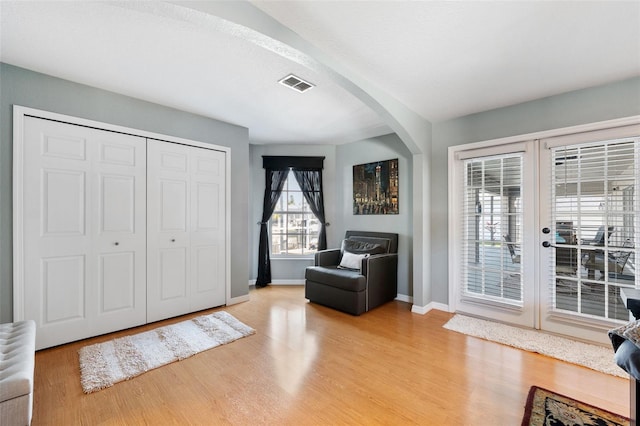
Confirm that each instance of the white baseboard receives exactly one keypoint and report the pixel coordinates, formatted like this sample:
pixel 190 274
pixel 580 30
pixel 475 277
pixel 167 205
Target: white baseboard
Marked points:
pixel 404 298
pixel 430 306
pixel 281 282
pixel 239 299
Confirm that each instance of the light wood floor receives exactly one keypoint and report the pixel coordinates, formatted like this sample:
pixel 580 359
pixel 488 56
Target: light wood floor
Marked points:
pixel 311 365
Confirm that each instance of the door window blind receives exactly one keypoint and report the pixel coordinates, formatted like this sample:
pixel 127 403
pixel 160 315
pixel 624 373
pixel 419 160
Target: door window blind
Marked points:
pixel 492 219
pixel 595 219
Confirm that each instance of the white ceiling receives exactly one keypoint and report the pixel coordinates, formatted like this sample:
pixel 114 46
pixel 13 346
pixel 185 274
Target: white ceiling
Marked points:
pixel 440 59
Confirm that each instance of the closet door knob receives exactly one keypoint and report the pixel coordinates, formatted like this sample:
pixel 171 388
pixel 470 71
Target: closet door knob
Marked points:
pixel 116 243
pixel 173 240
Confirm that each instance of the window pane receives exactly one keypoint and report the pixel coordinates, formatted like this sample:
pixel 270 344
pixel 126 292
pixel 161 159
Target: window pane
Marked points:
pixel 294 228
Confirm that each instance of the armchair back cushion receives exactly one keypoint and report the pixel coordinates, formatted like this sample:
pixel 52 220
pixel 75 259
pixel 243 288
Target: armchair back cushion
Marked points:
pixel 388 241
pixel 361 247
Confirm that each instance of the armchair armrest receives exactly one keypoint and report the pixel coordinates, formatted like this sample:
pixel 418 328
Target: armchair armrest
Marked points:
pixel 378 264
pixel 329 257
pixel 381 271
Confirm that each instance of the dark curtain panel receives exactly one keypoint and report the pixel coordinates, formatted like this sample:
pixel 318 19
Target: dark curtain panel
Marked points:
pixel 275 180
pixel 310 182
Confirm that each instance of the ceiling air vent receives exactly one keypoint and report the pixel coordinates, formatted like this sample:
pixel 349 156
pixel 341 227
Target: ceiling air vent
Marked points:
pixel 296 83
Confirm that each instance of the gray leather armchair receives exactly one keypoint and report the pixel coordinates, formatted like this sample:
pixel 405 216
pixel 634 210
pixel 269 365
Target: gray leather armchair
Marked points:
pixel 351 290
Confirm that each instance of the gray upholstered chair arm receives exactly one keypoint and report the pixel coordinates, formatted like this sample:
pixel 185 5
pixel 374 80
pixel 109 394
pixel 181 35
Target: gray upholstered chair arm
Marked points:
pixel 329 257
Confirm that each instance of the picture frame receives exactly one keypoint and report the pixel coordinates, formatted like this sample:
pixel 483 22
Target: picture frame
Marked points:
pixel 376 188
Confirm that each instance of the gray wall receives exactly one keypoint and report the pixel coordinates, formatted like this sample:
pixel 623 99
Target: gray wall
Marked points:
pixel 26 88
pixel 381 148
pixel 288 269
pixel 616 100
pixel 337 181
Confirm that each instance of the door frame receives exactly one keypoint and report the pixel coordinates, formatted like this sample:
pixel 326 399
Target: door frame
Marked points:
pixel 19 114
pixel 455 244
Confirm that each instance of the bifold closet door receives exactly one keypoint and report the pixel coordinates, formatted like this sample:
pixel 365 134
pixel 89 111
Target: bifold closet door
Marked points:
pixel 84 230
pixel 185 229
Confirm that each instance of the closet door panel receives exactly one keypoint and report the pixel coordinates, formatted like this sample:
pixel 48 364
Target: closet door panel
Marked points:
pixel 79 204
pixel 173 274
pixel 57 244
pixel 186 229
pixel 63 289
pixel 119 189
pixel 63 202
pixel 168 248
pixel 208 228
pixel 117 282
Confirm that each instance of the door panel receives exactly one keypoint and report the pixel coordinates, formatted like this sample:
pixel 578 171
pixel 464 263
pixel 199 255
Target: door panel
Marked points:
pixel 63 284
pixel 207 207
pixel 63 202
pixel 495 264
pixel 207 266
pixel 168 247
pixel 173 275
pixel 174 205
pixel 78 209
pixel 208 228
pixel 117 191
pixel 186 237
pixel 117 281
pixel 589 202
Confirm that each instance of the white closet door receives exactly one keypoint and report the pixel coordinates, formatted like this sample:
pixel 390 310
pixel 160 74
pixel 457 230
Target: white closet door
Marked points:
pixel 185 227
pixel 84 233
pixel 168 251
pixel 207 232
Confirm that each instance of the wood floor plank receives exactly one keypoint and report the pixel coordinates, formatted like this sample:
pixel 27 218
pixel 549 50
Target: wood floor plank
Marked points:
pixel 308 364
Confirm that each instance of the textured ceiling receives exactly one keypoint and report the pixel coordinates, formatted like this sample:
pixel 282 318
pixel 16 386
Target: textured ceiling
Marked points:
pixel 440 59
pixel 449 59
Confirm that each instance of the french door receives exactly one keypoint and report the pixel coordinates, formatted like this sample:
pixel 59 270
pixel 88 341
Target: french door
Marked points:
pixel 494 188
pixel 544 233
pixel 590 213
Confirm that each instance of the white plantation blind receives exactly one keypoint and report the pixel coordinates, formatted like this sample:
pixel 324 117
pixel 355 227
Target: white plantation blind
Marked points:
pixel 595 214
pixel 491 221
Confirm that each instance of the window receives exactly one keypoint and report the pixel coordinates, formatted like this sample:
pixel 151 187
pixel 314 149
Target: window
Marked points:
pixel 293 227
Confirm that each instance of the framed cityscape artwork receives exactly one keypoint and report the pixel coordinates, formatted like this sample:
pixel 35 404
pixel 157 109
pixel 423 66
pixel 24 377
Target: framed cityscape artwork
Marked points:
pixel 375 188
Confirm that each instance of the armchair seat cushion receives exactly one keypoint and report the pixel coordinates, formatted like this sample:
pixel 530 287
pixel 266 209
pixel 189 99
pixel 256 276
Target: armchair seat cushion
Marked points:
pixel 333 276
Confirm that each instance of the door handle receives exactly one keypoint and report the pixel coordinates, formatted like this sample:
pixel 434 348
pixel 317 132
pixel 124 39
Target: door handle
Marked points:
pixel 547 244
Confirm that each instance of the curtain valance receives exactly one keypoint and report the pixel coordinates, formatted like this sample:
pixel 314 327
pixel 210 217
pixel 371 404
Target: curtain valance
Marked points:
pixel 296 163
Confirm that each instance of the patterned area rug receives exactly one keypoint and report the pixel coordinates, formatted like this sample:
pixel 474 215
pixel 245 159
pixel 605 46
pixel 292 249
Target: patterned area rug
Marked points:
pixel 104 364
pixel 546 408
pixel 595 357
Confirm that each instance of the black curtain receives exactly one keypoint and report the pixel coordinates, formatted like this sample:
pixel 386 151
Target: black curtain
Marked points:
pixel 310 182
pixel 277 168
pixel 274 180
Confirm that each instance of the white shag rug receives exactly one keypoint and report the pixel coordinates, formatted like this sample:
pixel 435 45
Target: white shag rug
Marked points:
pixel 595 357
pixel 104 364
